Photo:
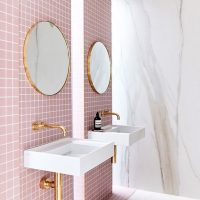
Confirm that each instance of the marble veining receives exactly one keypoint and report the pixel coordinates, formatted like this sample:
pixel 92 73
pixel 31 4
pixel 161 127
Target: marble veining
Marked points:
pixel 155 62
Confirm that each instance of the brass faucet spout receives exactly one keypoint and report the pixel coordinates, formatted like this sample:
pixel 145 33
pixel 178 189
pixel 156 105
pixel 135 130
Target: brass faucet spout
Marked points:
pixel 39 125
pixel 107 112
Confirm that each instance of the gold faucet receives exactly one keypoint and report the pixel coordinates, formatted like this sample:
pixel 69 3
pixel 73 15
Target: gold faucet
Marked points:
pixel 39 125
pixel 107 112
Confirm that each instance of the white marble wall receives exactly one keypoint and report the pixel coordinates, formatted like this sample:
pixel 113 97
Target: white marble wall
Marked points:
pixel 156 82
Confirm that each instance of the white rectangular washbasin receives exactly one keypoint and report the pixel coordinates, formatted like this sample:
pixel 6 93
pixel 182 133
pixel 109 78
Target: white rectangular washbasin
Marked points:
pixel 68 156
pixel 120 135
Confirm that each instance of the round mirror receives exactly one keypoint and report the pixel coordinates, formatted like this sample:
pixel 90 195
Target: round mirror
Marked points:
pixel 46 58
pixel 99 67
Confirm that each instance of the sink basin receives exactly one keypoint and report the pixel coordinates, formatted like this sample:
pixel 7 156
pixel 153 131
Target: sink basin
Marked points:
pixel 68 156
pixel 120 135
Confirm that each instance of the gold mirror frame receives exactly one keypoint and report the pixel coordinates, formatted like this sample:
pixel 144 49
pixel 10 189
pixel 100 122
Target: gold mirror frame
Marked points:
pixel 89 66
pixel 26 68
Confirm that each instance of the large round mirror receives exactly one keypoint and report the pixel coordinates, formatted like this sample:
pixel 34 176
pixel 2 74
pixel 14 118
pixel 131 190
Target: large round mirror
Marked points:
pixel 99 67
pixel 46 58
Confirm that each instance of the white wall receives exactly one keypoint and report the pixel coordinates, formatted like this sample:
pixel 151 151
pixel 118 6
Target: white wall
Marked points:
pixel 156 82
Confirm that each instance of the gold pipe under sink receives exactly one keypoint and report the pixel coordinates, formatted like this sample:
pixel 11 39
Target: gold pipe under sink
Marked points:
pixel 114 158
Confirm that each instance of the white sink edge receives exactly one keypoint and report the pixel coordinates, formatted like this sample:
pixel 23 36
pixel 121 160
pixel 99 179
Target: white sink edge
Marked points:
pixel 104 151
pixel 31 150
pixel 128 138
pixel 68 139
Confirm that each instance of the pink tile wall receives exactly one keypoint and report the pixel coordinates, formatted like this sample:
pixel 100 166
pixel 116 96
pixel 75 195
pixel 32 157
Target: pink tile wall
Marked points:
pixel 34 106
pixel 20 105
pixel 98 182
pixel 97 27
pixel 9 101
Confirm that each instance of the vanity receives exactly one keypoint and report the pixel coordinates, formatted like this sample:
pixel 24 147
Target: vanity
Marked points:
pixel 99 73
pixel 68 156
pixel 47 57
pixel 47 65
pixel 124 136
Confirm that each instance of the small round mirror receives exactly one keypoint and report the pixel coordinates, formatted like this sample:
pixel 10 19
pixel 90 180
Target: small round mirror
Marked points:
pixel 46 58
pixel 99 67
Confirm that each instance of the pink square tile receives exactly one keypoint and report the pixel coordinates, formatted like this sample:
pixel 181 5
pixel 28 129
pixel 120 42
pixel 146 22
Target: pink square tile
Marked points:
pixel 97 27
pixel 21 105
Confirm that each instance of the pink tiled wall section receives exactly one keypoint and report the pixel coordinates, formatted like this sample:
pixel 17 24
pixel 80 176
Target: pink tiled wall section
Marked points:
pixel 34 106
pixel 9 101
pixel 97 27
pixel 99 182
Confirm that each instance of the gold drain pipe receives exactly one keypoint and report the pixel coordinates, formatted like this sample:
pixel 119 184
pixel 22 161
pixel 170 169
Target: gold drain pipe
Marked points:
pixel 57 183
pixel 114 158
pixel 58 186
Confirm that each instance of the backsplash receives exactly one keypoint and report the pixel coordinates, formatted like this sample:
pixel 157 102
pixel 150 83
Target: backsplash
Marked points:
pixel 34 106
pixel 21 104
pixel 9 101
pixel 97 27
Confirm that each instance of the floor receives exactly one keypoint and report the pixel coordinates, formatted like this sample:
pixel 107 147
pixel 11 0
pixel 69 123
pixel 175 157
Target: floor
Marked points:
pixel 144 195
pixel 121 193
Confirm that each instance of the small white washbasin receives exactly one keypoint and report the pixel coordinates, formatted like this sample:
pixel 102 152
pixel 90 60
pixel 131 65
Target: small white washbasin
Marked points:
pixel 68 156
pixel 120 135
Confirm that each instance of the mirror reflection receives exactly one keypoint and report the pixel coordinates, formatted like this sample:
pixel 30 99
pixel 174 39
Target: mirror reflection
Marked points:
pixel 46 58
pixel 99 67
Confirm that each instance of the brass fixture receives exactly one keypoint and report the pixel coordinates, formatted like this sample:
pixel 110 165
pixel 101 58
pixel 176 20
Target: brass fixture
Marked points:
pixel 39 125
pixel 114 158
pixel 58 186
pixel 107 112
pixel 46 183
pixel 57 183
